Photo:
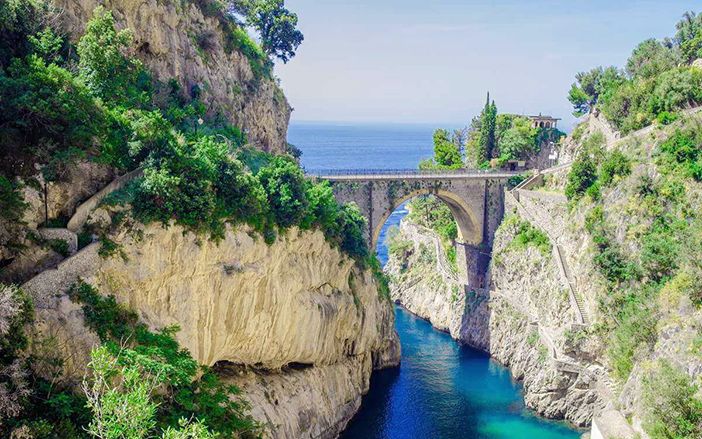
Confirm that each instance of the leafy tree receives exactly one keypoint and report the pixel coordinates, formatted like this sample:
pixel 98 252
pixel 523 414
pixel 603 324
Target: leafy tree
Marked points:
pixel 276 25
pixel 323 209
pixel 681 152
pixel 446 153
pixel 352 227
pixel 47 45
pixel 45 112
pixel 689 36
pixel 103 65
pixel 240 195
pixel 19 19
pixel 157 358
pixel 615 165
pixel 676 88
pixel 585 93
pixel 120 393
pixel 651 58
pixel 180 185
pixel 12 204
pixel 518 141
pixel 582 175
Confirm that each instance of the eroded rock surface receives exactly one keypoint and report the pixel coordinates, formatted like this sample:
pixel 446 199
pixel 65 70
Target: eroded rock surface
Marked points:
pixel 301 319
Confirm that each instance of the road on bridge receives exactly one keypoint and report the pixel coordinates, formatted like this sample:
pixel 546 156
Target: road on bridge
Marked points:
pixel 407 174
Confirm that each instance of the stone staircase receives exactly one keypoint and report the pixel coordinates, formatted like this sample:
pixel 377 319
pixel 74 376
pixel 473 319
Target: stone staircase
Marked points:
pixel 559 257
pixel 55 272
pixel 563 266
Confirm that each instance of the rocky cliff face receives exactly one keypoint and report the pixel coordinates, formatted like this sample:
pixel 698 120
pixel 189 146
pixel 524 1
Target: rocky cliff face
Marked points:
pixel 524 320
pixel 296 324
pixel 549 316
pixel 185 40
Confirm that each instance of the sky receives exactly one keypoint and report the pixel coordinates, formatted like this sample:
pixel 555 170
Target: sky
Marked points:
pixel 433 61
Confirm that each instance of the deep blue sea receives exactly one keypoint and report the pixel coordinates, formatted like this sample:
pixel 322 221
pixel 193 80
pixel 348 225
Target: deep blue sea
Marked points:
pixel 441 390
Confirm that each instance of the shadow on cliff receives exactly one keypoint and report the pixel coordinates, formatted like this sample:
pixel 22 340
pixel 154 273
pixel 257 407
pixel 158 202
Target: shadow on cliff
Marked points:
pixel 475 321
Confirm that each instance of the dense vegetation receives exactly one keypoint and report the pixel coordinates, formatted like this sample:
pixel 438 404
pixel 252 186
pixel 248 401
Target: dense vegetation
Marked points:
pixel 167 386
pixel 650 264
pixel 658 269
pixel 142 383
pixel 63 103
pixel 98 103
pixel 495 139
pixel 673 409
pixel 595 169
pixel 657 82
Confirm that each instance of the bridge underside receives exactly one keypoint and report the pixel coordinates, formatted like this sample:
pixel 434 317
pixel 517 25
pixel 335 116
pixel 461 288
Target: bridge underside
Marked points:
pixel 476 202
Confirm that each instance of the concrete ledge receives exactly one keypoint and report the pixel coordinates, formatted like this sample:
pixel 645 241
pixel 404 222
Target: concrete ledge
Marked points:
pixel 83 211
pixel 50 284
pixel 611 424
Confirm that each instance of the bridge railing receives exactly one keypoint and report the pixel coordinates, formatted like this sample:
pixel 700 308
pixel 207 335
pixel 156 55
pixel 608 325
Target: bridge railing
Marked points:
pixel 401 172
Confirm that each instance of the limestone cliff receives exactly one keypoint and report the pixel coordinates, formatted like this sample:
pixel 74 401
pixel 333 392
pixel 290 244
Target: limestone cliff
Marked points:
pixel 524 320
pixel 553 317
pixel 300 324
pixel 186 40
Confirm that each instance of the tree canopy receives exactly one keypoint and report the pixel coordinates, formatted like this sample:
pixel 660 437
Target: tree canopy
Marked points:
pixel 658 79
pixel 276 25
pixel 446 153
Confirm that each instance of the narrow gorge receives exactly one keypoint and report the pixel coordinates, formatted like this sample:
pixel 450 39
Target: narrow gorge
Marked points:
pixel 172 266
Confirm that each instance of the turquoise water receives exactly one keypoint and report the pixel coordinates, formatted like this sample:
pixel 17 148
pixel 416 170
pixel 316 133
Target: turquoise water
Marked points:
pixel 445 390
pixel 442 390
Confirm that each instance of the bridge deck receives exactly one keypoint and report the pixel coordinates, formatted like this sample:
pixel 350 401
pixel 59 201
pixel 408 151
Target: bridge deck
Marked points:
pixel 407 174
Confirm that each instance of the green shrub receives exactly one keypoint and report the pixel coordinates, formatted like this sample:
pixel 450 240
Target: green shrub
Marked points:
pixel 530 236
pixel 666 117
pixel 20 19
pixel 672 407
pixel 615 165
pixel 681 153
pixel 46 111
pixel 636 326
pixel 352 226
pixel 103 66
pixel 285 188
pixel 582 175
pixel 380 277
pixel 659 255
pixel 59 246
pixel 12 204
pixel 237 39
pixel 217 405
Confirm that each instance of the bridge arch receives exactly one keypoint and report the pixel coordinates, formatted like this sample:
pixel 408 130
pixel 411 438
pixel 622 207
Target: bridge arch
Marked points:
pixel 475 199
pixel 469 231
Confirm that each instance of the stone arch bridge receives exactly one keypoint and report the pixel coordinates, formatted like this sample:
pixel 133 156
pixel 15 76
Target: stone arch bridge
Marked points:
pixel 475 198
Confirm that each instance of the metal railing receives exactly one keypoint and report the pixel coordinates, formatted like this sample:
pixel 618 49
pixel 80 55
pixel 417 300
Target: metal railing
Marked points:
pixel 406 172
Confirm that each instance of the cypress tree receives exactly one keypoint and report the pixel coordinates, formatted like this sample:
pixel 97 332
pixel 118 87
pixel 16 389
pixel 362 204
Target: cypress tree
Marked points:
pixel 488 122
